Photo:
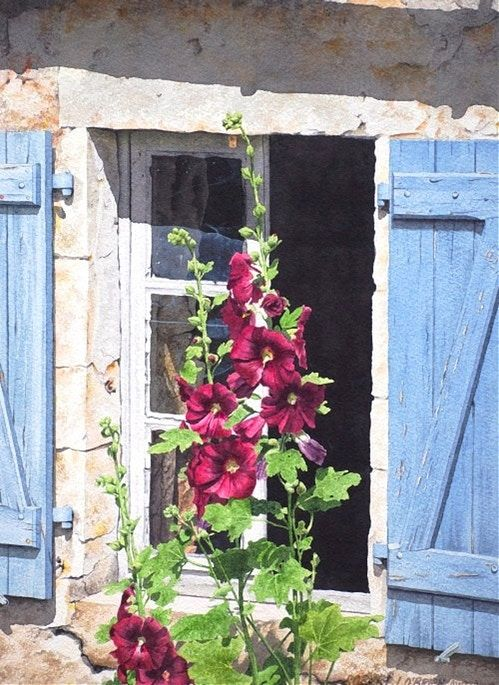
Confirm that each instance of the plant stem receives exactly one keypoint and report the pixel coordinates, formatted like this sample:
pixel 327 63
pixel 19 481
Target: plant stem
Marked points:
pixel 246 634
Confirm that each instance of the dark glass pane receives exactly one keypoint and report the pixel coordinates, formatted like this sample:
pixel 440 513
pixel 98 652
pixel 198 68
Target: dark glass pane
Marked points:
pixel 204 195
pixel 171 334
pixel 169 485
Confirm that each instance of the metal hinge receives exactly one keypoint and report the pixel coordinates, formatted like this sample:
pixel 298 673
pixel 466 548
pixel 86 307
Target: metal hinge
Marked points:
pixel 63 515
pixel 380 553
pixel 63 181
pixel 383 196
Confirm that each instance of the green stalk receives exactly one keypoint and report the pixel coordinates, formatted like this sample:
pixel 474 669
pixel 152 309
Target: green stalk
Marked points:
pixel 247 637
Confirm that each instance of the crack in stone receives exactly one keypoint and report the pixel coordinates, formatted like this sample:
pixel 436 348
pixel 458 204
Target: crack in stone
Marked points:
pixel 66 630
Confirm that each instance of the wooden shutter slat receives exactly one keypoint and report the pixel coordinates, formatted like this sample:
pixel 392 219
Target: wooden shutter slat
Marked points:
pixel 26 357
pixel 457 535
pixel 410 385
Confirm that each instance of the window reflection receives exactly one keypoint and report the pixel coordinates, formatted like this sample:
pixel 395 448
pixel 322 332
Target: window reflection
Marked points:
pixel 171 334
pixel 204 195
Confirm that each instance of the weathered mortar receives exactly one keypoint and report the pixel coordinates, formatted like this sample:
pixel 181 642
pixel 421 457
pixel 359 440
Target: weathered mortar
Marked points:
pixel 369 68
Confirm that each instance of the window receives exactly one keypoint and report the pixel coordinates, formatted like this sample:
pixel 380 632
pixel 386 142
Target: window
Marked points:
pixel 320 191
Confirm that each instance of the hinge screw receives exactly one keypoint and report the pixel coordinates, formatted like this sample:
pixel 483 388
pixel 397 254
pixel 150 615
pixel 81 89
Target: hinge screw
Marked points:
pixel 20 516
pixel 28 541
pixel 399 555
pixel 22 185
pixel 455 194
pixel 407 193
pixel 493 568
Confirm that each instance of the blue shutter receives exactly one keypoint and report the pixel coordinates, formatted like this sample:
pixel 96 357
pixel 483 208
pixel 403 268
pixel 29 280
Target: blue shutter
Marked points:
pixel 443 580
pixel 26 364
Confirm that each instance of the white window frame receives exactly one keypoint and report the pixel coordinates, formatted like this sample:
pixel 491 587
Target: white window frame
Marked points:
pixel 136 150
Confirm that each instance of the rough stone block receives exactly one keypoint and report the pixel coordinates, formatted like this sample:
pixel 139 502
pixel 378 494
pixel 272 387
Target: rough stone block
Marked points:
pixel 70 215
pixel 71 289
pixel 70 403
pixel 29 100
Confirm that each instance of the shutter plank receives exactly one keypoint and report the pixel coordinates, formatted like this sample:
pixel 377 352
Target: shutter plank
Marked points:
pixel 410 392
pixel 453 262
pixel 4 560
pixel 29 361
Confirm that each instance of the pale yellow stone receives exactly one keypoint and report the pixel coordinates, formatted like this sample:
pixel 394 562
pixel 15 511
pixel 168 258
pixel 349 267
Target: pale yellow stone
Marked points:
pixel 70 214
pixel 71 291
pixel 70 403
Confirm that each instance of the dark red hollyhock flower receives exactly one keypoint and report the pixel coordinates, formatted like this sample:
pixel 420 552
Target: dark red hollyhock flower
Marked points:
pixel 273 304
pixel 242 271
pixel 260 355
pixel 236 317
pixel 208 408
pixel 125 603
pixel 311 449
pixel 173 671
pixel 298 339
pixel 140 642
pixel 226 469
pixel 290 407
pixel 250 429
pixel 184 389
pixel 239 386
pixel 201 499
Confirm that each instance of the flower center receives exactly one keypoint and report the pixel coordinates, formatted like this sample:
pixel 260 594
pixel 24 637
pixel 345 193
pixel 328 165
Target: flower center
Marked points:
pixel 215 408
pixel 267 355
pixel 292 398
pixel 231 465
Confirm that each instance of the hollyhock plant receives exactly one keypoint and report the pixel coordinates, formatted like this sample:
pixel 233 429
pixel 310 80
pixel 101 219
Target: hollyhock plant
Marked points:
pixel 274 305
pixel 298 339
pixel 261 355
pixel 208 408
pixel 234 433
pixel 236 317
pixel 292 406
pixel 242 273
pixel 310 448
pixel 226 469
pixel 141 643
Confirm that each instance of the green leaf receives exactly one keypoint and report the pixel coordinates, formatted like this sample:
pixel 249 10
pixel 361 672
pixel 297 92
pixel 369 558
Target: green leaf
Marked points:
pixel 224 348
pixel 269 676
pixel 233 517
pixel 212 662
pixel 194 352
pixel 287 663
pixel 277 585
pixel 289 320
pixel 167 561
pixel 330 490
pixel 267 555
pixel 329 633
pixel 238 415
pixel 219 299
pixel 119 586
pixel 190 371
pixel 316 379
pixel 162 615
pixel 285 464
pixel 214 623
pixel 264 506
pixel 194 320
pixel 102 632
pixel 323 408
pixel 233 563
pixel 175 438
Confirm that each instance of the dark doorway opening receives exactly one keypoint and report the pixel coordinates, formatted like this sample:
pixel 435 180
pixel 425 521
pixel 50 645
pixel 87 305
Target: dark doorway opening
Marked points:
pixel 321 204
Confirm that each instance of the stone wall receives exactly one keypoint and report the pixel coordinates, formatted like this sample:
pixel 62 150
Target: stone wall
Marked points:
pixel 86 70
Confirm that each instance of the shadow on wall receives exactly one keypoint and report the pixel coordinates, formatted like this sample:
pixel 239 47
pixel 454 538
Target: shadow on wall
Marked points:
pixel 433 56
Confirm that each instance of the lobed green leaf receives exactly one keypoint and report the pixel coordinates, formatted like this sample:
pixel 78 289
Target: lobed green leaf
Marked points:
pixel 233 517
pixel 175 438
pixel 212 662
pixel 214 623
pixel 330 490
